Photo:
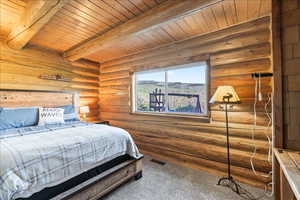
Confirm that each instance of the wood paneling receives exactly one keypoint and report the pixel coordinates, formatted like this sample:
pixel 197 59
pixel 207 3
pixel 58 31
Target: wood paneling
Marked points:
pixel 244 48
pixel 80 20
pixel 210 19
pixel 10 13
pixel 13 99
pixel 162 14
pixel 290 28
pixel 35 16
pixel 20 69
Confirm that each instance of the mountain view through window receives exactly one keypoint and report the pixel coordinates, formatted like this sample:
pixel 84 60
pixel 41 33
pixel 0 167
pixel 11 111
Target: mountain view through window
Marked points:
pixel 179 89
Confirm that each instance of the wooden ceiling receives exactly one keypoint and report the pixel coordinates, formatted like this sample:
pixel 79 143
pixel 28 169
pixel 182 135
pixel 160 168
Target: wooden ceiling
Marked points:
pixel 10 14
pixel 212 18
pixel 80 20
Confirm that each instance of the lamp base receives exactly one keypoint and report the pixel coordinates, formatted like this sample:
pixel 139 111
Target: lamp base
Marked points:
pixel 230 182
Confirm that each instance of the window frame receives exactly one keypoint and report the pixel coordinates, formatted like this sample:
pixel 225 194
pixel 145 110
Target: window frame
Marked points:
pixel 133 91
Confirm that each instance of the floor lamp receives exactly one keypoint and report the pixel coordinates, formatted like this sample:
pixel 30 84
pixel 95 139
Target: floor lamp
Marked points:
pixel 226 96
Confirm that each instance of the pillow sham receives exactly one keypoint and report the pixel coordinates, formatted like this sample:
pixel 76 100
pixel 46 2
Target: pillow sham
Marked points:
pixel 51 116
pixel 18 117
pixel 69 113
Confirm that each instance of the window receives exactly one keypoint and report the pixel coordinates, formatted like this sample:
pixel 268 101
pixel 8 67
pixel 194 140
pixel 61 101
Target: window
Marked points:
pixel 180 89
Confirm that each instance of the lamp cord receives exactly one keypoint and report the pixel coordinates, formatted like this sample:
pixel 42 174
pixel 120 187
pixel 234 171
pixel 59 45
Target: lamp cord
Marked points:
pixel 270 153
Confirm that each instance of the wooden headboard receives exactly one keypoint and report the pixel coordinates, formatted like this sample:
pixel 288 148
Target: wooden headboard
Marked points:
pixel 26 98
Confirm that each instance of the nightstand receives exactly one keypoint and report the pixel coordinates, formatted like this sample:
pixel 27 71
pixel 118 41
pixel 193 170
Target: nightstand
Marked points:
pixel 102 122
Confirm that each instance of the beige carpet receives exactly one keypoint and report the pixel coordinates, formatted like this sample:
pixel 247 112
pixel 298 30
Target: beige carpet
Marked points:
pixel 172 182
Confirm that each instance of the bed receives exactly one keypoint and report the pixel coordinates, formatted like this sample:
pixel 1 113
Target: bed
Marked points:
pixel 73 160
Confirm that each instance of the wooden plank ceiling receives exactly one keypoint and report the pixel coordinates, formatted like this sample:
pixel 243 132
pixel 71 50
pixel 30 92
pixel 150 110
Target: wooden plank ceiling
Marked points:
pixel 10 12
pixel 80 20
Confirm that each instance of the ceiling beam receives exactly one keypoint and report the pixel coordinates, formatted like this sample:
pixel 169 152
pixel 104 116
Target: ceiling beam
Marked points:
pixel 163 13
pixel 36 15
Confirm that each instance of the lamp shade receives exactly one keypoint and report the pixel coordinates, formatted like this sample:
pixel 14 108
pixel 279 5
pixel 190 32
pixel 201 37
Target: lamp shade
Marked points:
pixel 225 94
pixel 84 109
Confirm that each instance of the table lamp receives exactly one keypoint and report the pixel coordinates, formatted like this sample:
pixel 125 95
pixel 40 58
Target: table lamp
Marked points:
pixel 84 110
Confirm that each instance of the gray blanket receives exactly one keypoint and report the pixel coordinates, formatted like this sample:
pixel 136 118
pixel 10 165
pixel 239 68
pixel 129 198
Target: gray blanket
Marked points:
pixel 34 158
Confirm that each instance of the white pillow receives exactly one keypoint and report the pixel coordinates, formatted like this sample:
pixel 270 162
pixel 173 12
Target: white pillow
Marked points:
pixel 51 116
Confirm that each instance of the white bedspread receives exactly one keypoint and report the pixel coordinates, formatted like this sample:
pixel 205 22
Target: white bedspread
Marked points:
pixel 32 162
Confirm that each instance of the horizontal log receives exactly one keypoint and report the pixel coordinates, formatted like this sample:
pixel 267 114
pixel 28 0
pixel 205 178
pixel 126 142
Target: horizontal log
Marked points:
pixel 243 107
pixel 208 152
pixel 20 86
pixel 114 75
pixel 192 132
pixel 245 144
pixel 238 81
pixel 35 57
pixel 157 62
pixel 85 72
pixel 114 108
pixel 239 130
pixel 118 87
pixel 23 79
pixel 241 55
pixel 108 90
pixel 30 83
pixel 91 93
pixel 241 117
pixel 86 80
pixel 86 64
pixel 242 68
pixel 247 90
pixel 122 81
pixel 84 86
pixel 13 68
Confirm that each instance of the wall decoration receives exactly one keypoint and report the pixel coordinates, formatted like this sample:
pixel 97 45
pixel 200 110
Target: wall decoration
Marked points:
pixel 55 77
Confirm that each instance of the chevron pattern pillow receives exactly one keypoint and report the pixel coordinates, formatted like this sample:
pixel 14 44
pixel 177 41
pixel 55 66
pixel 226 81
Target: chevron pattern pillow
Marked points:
pixel 51 116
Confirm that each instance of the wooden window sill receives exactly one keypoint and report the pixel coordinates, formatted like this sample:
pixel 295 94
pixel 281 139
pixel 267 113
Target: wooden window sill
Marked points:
pixel 201 118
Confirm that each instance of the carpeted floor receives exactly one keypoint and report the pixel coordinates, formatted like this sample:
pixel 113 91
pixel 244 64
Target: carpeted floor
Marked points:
pixel 172 182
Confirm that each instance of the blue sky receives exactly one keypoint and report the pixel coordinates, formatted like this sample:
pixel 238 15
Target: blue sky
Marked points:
pixel 184 75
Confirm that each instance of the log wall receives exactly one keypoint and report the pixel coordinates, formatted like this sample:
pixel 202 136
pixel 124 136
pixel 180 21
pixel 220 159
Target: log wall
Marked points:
pixel 234 53
pixel 290 24
pixel 20 69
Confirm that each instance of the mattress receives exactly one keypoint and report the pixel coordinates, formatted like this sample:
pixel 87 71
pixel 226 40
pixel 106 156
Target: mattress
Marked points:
pixel 34 158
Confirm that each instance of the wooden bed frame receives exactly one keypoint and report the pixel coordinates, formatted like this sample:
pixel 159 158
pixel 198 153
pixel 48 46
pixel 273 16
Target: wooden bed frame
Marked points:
pixel 95 187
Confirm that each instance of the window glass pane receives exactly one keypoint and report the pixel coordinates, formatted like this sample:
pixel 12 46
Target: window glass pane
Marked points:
pixel 187 90
pixel 150 91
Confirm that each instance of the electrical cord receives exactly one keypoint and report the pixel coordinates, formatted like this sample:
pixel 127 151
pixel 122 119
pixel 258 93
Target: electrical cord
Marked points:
pixel 254 131
pixel 270 153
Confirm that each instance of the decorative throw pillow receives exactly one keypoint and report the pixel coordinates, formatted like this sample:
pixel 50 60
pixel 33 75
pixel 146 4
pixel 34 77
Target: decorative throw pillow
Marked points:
pixel 18 117
pixel 51 116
